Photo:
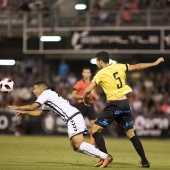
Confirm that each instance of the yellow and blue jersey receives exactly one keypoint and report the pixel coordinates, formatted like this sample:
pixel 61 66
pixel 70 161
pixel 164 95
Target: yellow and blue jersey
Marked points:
pixel 112 79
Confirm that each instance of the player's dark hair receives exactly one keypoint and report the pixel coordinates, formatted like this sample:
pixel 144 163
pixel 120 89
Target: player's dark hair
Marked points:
pixel 86 68
pixel 41 83
pixel 104 56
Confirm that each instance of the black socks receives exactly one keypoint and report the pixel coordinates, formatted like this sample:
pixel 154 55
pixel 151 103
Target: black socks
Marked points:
pixel 139 148
pixel 135 140
pixel 100 142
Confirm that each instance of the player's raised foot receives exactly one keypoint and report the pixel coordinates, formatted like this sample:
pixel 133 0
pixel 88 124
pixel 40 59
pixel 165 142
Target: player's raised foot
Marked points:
pixel 106 161
pixel 144 165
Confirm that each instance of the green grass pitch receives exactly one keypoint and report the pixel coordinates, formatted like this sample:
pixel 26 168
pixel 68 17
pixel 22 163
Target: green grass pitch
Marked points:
pixel 55 153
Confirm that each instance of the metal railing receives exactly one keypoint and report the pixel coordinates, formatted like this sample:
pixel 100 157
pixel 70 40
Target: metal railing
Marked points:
pixel 12 23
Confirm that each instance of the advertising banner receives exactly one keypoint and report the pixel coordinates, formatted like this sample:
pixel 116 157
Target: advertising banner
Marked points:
pixel 157 127
pixel 123 40
pixel 5 122
pixel 120 40
pixel 167 40
pixel 152 126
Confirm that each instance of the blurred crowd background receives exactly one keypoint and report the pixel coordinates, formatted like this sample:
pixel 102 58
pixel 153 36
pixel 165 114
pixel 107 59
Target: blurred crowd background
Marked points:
pixel 151 89
pixel 97 13
pixel 104 4
pixel 150 96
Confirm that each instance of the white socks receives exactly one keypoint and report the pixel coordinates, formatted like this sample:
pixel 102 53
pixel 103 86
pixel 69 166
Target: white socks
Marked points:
pixel 90 150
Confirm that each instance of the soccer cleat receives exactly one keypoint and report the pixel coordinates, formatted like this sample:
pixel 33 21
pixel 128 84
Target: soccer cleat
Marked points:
pixel 106 161
pixel 144 165
pixel 99 163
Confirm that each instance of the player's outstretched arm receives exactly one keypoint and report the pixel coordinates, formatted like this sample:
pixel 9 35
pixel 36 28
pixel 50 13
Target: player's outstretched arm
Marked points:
pixel 141 66
pixel 33 106
pixel 32 113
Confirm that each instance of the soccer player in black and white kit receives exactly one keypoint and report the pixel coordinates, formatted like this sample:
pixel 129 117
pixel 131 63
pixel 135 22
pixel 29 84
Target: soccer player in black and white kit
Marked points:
pixel 49 100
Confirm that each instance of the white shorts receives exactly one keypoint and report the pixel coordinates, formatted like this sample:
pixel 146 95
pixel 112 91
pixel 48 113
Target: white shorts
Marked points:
pixel 76 125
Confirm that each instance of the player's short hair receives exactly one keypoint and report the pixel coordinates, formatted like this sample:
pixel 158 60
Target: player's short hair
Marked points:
pixel 86 68
pixel 104 56
pixel 41 83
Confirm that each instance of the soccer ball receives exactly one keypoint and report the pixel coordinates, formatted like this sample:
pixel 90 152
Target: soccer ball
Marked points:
pixel 6 85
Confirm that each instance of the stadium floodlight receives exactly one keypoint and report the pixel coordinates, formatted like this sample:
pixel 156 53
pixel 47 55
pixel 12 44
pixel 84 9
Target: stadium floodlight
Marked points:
pixel 50 38
pixel 4 62
pixel 80 7
pixel 93 61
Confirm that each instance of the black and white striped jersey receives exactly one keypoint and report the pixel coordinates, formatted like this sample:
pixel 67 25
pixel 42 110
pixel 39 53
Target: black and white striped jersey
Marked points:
pixel 50 100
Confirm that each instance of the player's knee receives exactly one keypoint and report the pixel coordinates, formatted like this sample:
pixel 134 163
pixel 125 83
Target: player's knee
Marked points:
pixel 76 147
pixel 130 133
pixel 76 141
pixel 96 128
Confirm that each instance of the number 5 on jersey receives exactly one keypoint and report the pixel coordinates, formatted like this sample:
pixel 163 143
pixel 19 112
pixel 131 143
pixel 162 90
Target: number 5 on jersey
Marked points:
pixel 119 84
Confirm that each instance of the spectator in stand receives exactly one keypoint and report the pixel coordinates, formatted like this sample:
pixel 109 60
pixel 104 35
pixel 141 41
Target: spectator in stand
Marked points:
pixel 63 69
pixel 116 5
pixel 165 106
pixel 127 14
pixel 3 4
pixel 24 6
pixel 94 15
pixel 134 5
pixel 71 78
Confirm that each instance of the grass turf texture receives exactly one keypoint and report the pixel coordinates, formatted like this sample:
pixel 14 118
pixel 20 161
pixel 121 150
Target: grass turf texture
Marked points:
pixel 54 152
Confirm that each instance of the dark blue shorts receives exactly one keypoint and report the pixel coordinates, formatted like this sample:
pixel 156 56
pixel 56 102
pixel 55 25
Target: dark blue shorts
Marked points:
pixel 119 111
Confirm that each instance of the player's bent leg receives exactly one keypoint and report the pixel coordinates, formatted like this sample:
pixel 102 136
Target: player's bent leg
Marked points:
pixel 101 145
pixel 86 148
pixel 138 146
pixel 76 141
pixel 96 128
pixel 99 140
pixel 130 133
pixel 92 141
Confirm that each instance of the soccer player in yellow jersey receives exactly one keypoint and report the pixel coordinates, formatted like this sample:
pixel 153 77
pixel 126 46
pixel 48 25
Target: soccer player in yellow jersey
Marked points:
pixel 112 78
